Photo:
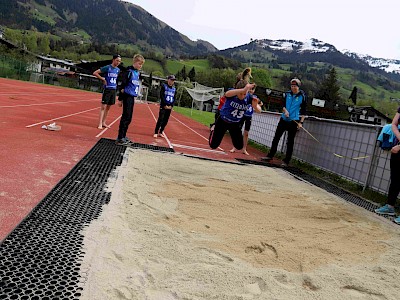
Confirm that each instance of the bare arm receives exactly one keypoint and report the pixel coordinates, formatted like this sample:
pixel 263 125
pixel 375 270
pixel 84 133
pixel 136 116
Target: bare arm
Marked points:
pixel 235 92
pixel 256 103
pixel 97 74
pixel 395 124
pixel 286 112
pixel 395 129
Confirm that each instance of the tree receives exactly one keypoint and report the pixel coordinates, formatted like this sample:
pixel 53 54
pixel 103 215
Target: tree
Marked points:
pixel 44 44
pixel 329 90
pixel 181 75
pixel 192 75
pixel 261 77
pixel 30 41
pixel 183 72
pixel 353 95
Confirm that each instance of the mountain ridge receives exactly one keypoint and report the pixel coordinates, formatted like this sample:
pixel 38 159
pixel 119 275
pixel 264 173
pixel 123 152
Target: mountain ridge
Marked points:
pixel 116 21
pixel 312 49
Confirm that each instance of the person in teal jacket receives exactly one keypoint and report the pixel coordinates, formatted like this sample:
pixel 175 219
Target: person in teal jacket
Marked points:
pixel 292 118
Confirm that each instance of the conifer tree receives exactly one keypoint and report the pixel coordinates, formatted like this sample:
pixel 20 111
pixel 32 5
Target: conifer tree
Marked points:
pixel 192 75
pixel 329 90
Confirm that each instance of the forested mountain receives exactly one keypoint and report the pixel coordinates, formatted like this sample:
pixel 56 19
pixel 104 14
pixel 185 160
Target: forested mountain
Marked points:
pixel 110 21
pixel 85 29
pixel 100 22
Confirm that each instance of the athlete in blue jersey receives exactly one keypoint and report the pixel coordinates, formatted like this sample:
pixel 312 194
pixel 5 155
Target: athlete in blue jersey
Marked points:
pixel 231 114
pixel 246 121
pixel 292 118
pixel 167 96
pixel 129 89
pixel 108 74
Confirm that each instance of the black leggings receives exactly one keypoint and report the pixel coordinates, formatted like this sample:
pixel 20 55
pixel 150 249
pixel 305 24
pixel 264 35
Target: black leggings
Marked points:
pixel 291 128
pixel 394 187
pixel 219 131
pixel 127 114
pixel 163 117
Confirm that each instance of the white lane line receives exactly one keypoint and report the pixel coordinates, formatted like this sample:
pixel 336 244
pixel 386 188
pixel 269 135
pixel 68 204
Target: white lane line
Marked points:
pixel 195 132
pixel 165 135
pixel 105 129
pixel 41 92
pixel 199 149
pixel 78 113
pixel 39 104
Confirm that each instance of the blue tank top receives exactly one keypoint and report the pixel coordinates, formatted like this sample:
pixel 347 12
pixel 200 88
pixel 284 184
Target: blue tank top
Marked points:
pixel 234 108
pixel 249 112
pixel 169 94
pixel 111 75
pixel 133 85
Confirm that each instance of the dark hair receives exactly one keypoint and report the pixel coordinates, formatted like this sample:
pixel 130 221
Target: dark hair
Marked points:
pixel 241 84
pixel 116 56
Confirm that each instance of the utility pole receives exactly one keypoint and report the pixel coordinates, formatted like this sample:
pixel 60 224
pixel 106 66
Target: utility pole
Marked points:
pixel 251 41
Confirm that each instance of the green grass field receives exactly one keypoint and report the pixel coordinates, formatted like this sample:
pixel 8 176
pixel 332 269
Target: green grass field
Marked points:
pixel 203 117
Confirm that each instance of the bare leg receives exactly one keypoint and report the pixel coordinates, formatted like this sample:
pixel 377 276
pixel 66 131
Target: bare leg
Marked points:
pixel 101 117
pixel 233 150
pixel 107 108
pixel 245 141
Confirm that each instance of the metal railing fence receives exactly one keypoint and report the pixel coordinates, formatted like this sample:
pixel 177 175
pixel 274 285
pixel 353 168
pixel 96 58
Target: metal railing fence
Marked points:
pixel 344 148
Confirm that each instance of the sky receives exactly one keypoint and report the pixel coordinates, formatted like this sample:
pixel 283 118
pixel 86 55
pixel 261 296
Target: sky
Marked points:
pixel 365 27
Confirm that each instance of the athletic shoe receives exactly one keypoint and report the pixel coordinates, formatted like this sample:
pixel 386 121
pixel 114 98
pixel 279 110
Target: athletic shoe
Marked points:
pixel 266 158
pixel 126 139
pixel 397 220
pixel 385 210
pixel 284 165
pixel 121 142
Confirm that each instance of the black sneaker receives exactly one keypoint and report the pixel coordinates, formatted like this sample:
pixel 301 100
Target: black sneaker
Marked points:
pixel 121 142
pixel 126 139
pixel 266 158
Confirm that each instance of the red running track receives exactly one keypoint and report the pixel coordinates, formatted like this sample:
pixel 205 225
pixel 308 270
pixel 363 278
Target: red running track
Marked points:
pixel 33 159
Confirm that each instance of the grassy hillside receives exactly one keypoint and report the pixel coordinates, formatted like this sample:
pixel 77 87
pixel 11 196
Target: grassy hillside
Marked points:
pixel 173 66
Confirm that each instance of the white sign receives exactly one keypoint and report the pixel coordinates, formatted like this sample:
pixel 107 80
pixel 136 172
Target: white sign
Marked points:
pixel 318 102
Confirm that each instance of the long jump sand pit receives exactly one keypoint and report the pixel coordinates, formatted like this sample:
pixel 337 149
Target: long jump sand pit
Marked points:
pixel 186 228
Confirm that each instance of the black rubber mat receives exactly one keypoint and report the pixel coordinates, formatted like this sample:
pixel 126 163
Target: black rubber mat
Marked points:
pixel 151 147
pixel 41 258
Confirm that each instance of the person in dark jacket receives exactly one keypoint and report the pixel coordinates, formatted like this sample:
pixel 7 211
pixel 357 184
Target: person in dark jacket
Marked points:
pixel 394 187
pixel 292 118
pixel 129 89
pixel 167 96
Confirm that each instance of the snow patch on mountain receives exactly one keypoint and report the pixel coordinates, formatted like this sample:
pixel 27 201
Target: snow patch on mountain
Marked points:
pixel 388 65
pixel 315 46
pixel 311 45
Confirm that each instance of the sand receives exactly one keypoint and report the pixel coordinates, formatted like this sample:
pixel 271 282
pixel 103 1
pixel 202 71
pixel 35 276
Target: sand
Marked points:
pixel 185 228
